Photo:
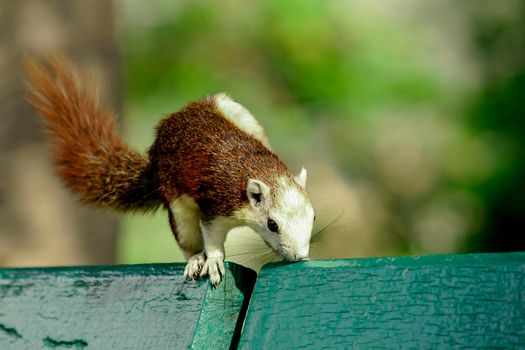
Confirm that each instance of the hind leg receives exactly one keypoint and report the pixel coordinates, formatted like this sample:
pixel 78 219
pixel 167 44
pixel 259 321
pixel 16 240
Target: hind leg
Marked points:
pixel 184 221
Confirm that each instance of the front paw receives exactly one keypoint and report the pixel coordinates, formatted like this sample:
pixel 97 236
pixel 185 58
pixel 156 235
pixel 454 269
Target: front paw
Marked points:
pixel 194 266
pixel 214 267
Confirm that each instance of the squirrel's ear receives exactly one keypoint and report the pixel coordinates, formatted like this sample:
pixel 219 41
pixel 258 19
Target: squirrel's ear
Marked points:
pixel 301 178
pixel 258 192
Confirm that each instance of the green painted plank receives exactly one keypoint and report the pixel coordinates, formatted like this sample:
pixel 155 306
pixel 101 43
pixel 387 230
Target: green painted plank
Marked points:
pixel 454 301
pixel 118 307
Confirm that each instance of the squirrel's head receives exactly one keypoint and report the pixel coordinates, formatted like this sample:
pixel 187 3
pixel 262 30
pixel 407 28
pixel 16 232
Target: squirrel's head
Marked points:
pixel 282 215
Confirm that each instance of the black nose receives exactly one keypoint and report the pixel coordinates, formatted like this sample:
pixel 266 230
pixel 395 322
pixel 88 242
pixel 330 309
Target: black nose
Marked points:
pixel 299 257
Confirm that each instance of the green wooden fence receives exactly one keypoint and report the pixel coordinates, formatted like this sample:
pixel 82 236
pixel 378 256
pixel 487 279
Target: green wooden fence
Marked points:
pixel 448 301
pixel 119 307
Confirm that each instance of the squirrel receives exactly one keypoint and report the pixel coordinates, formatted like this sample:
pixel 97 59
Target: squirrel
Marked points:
pixel 210 166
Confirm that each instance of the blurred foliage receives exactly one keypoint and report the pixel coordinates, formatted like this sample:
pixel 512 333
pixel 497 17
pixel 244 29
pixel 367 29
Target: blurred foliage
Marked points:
pixel 498 111
pixel 418 107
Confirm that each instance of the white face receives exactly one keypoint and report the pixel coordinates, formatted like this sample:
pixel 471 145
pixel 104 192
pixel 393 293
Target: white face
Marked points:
pixel 283 218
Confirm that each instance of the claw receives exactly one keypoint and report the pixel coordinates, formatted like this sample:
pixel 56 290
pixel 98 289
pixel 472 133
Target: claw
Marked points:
pixel 194 266
pixel 214 268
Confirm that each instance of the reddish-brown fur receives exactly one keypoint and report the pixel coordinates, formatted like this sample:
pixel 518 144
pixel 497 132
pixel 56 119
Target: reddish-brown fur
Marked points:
pixel 90 157
pixel 200 153
pixel 197 151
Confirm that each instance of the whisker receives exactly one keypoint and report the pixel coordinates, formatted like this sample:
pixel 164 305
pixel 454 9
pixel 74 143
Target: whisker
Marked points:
pixel 243 253
pixel 247 251
pixel 255 257
pixel 268 258
pixel 243 245
pixel 330 230
pixel 316 237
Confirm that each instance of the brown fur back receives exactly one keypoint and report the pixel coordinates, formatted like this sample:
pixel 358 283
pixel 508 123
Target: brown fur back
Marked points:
pixel 89 155
pixel 200 153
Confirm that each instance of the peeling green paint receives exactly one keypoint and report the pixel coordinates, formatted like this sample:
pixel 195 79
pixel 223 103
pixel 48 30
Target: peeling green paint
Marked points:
pixel 443 301
pixel 10 331
pixel 70 344
pixel 448 301
pixel 118 307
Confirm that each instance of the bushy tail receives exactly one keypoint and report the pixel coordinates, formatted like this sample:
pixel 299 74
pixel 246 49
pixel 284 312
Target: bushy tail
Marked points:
pixel 90 157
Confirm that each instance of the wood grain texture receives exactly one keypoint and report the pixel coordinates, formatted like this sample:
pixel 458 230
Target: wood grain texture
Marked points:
pixel 119 307
pixel 433 302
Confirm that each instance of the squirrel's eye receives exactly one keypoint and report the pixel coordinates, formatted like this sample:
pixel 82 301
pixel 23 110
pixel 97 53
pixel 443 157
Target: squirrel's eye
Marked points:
pixel 272 225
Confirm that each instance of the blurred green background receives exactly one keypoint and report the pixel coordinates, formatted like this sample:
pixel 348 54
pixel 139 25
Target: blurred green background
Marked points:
pixel 408 115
